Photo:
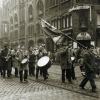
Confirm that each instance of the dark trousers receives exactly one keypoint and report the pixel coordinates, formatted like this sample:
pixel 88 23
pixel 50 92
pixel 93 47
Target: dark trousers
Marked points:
pixel 66 74
pixel 23 76
pixel 38 69
pixel 89 77
pixel 9 72
pixel 45 73
pixel 16 72
pixel 73 72
pixel 1 71
pixel 31 69
pixel 4 69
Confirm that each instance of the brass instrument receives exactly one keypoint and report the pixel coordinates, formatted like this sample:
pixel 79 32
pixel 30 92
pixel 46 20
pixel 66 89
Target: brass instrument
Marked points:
pixel 8 56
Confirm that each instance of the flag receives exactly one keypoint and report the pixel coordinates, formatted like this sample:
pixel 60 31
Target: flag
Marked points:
pixel 51 31
pixel 55 39
pixel 58 39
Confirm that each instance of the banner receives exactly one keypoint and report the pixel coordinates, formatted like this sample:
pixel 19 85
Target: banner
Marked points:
pixel 51 31
pixel 48 28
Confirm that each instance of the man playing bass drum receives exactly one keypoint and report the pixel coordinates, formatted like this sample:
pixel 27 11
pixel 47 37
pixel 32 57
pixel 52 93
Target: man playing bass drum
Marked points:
pixel 42 54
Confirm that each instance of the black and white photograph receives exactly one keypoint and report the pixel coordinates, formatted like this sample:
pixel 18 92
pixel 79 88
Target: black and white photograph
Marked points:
pixel 49 49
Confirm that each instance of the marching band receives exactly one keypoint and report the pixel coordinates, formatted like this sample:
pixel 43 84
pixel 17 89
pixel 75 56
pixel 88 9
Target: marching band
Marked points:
pixel 23 61
pixel 37 61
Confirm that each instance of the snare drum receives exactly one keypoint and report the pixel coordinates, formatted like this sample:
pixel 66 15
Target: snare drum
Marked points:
pixel 24 61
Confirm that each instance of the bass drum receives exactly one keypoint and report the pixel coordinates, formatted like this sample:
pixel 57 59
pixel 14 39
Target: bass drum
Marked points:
pixel 44 62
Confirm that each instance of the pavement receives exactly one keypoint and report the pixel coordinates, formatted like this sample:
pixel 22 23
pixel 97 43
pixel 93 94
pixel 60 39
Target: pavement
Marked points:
pixel 55 80
pixel 12 89
pixel 52 89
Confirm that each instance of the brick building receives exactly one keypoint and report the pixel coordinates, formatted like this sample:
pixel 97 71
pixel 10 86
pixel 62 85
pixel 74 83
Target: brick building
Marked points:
pixel 79 19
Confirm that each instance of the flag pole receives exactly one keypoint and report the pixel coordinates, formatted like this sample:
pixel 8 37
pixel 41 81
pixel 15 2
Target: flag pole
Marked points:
pixel 61 33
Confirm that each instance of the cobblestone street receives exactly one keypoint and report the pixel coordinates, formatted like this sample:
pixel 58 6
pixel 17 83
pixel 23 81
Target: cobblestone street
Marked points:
pixel 12 89
pixel 52 89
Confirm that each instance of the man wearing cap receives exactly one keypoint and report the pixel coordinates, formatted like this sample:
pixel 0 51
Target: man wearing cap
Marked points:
pixel 88 63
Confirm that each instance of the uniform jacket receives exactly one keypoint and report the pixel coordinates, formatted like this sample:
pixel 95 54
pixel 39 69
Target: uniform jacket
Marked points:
pixel 64 60
pixel 89 62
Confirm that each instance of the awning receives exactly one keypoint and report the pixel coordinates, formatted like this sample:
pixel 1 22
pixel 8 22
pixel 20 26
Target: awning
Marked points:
pixel 83 36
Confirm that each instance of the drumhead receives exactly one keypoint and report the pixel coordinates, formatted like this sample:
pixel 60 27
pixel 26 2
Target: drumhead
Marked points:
pixel 24 61
pixel 43 61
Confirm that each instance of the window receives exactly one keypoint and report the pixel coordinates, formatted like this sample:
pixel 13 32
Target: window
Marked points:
pixel 47 4
pixel 52 22
pixel 64 0
pixel 56 2
pixel 56 23
pixel 58 26
pixel 30 13
pixel 16 35
pixel 70 20
pixel 30 30
pixel 11 20
pixel 15 18
pixel 83 18
pixel 98 19
pixel 67 22
pixel 64 22
pixel 40 8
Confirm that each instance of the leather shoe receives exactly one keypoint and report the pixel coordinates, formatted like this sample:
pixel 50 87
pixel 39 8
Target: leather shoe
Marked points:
pixel 81 87
pixel 94 90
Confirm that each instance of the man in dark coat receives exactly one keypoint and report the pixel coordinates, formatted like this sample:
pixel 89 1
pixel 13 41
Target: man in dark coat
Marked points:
pixel 32 58
pixel 4 55
pixel 88 63
pixel 1 64
pixel 65 66
pixel 9 66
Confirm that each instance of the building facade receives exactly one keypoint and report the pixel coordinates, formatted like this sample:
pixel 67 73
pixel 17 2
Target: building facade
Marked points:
pixel 79 19
pixel 23 22
pixel 76 18
pixel 0 26
pixel 0 20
